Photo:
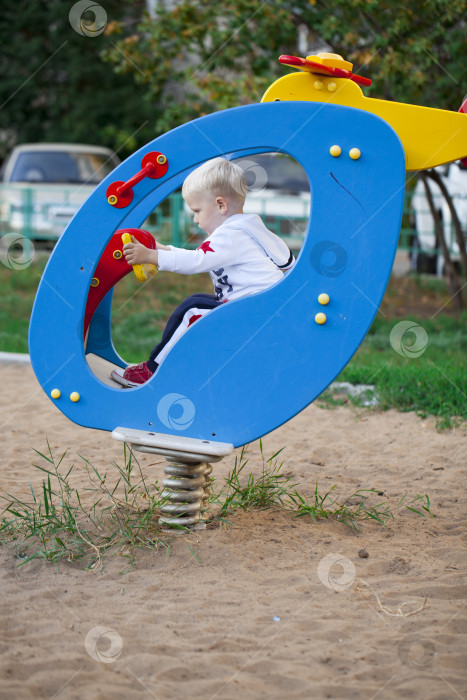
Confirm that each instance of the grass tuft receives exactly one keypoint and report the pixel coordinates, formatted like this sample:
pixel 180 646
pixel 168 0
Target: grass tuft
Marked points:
pixel 355 508
pixel 273 488
pixel 265 491
pixel 57 525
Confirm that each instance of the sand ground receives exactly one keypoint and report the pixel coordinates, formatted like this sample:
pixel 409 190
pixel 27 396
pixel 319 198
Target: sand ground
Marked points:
pixel 271 606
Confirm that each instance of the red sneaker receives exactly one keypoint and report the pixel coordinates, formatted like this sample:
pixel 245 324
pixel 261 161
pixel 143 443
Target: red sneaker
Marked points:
pixel 138 374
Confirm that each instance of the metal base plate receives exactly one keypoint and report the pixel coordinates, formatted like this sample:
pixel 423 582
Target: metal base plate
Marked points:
pixel 184 449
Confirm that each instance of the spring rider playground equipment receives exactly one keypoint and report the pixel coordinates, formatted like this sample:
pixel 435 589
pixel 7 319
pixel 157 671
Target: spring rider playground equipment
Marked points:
pixel 251 364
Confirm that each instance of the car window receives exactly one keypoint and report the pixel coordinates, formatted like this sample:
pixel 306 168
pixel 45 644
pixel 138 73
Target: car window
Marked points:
pixel 62 166
pixel 283 172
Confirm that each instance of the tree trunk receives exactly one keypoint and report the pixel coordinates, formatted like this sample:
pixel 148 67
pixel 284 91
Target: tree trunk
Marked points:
pixel 460 238
pixel 454 283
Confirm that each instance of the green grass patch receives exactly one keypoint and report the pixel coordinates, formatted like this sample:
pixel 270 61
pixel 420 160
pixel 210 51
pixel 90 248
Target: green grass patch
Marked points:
pixel 17 290
pixel 139 311
pixel 273 488
pixel 433 383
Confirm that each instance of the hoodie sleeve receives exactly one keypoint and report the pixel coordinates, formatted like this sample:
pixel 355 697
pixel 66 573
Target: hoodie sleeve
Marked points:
pixel 278 251
pixel 217 251
pixel 290 261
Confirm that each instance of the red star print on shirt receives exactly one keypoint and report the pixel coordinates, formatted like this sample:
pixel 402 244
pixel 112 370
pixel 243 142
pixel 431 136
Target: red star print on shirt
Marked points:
pixel 193 319
pixel 206 247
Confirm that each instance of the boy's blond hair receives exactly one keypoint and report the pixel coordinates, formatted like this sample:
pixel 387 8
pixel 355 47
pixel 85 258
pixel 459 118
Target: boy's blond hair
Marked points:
pixel 221 178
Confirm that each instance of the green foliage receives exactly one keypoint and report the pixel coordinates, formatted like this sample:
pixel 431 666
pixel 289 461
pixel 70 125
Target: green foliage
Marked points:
pixel 145 75
pixel 191 55
pixel 198 57
pixel 55 87
pixel 409 56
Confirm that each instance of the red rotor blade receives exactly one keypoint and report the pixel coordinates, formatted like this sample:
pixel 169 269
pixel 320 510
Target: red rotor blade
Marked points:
pixel 313 67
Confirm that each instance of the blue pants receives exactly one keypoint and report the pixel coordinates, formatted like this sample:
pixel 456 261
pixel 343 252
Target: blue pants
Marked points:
pixel 190 310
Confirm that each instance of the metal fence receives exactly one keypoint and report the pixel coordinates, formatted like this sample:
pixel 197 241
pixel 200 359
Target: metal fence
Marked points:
pixel 42 214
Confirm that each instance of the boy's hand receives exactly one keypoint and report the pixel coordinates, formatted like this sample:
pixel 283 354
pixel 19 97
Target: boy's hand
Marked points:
pixel 137 254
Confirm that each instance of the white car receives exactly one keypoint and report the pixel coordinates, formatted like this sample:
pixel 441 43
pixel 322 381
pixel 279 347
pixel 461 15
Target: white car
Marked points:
pixel 44 184
pixel 426 255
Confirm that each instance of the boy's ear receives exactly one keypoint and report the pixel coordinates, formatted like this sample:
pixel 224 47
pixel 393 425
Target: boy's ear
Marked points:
pixel 221 203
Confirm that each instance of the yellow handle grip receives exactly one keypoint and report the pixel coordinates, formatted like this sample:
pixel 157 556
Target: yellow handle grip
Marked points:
pixel 142 272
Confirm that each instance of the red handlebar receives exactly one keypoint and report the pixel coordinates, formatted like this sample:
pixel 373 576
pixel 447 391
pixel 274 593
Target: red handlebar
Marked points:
pixel 123 189
pixel 154 165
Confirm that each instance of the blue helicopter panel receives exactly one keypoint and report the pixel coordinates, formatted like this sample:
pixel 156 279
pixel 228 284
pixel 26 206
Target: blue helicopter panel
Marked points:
pixel 251 364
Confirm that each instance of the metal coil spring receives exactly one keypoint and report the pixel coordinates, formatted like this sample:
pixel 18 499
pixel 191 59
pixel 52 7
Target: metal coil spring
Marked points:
pixel 186 489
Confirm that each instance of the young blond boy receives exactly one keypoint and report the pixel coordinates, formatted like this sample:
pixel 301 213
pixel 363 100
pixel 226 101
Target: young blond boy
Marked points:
pixel 241 255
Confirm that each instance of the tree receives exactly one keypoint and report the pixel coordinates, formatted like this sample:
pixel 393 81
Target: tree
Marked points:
pixel 454 282
pixel 198 56
pixel 459 234
pixel 55 87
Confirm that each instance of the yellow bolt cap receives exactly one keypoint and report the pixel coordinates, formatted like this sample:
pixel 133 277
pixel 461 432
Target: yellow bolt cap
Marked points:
pixel 320 318
pixel 112 199
pixel 323 299
pixel 55 393
pixel 332 87
pixel 335 151
pixel 318 85
pixel 354 153
pixel 161 159
pixel 74 396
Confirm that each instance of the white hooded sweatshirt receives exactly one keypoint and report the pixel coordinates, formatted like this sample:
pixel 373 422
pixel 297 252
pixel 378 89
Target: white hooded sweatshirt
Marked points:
pixel 242 257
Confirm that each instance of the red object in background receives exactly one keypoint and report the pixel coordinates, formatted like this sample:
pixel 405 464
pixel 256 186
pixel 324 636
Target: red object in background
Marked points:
pixel 463 109
pixel 314 67
pixel 153 165
pixel 111 268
